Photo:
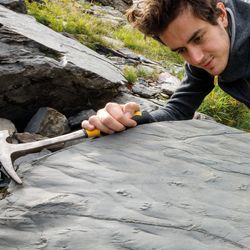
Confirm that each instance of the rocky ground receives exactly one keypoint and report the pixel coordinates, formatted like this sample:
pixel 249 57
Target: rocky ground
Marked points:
pixel 169 185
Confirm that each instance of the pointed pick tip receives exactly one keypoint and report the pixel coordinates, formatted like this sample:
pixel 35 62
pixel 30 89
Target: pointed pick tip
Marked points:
pixel 13 175
pixel 15 178
pixel 18 180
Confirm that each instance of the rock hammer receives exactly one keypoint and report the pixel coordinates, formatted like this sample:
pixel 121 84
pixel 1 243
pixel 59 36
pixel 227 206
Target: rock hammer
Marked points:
pixel 10 152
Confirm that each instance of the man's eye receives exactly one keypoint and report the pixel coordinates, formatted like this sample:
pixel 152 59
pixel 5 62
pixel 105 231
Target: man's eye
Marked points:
pixel 198 39
pixel 181 51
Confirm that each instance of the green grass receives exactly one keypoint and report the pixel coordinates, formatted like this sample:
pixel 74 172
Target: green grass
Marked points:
pixel 132 74
pixel 226 110
pixel 152 49
pixel 72 17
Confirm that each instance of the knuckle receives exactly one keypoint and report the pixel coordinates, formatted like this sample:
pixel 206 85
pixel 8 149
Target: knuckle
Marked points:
pixel 132 105
pixel 109 105
pixel 106 120
pixel 99 112
pixel 84 123
pixel 119 116
pixel 92 119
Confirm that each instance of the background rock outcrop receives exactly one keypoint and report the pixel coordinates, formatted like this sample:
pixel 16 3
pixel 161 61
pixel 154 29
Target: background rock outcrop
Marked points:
pixel 121 5
pixel 40 67
pixel 15 5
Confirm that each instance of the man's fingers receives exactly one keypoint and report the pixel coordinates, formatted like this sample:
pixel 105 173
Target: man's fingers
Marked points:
pixel 95 123
pixel 129 110
pixel 131 107
pixel 113 118
pixel 86 125
pixel 119 119
pixel 99 124
pixel 110 119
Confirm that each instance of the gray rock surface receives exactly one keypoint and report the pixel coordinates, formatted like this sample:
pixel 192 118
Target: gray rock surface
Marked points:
pixel 75 121
pixel 48 122
pixel 144 90
pixel 107 13
pixel 40 67
pixel 15 5
pixel 145 104
pixel 7 125
pixel 169 83
pixel 121 5
pixel 169 185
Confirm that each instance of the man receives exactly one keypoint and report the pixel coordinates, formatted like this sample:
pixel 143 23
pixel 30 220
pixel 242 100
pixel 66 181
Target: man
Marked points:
pixel 214 39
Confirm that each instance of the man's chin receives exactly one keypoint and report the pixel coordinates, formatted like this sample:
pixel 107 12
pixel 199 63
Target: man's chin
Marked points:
pixel 215 71
pixel 212 72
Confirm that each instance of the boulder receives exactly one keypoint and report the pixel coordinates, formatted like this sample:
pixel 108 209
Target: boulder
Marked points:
pixel 48 122
pixel 75 121
pixel 7 125
pixel 169 83
pixel 168 185
pixel 15 5
pixel 121 5
pixel 40 67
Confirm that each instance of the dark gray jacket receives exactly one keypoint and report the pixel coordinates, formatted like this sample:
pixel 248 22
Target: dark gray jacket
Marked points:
pixel 235 80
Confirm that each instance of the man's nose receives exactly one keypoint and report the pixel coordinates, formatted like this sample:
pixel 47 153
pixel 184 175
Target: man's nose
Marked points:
pixel 195 55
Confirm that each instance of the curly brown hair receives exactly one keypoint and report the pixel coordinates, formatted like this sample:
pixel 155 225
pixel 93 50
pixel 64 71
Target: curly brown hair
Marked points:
pixel 152 17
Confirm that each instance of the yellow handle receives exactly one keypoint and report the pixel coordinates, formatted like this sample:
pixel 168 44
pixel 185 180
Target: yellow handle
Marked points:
pixel 97 132
pixel 137 113
pixel 93 133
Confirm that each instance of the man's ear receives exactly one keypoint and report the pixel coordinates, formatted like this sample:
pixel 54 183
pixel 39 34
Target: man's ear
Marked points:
pixel 223 18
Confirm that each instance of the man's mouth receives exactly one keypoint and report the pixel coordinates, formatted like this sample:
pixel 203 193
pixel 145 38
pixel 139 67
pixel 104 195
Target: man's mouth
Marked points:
pixel 208 63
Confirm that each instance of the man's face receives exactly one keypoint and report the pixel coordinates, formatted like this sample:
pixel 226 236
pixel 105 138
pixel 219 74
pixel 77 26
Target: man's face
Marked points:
pixel 200 43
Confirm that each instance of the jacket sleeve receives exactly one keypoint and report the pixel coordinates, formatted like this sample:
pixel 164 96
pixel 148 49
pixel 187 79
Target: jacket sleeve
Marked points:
pixel 187 98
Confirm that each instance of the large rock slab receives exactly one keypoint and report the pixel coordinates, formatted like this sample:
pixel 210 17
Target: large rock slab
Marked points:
pixel 40 67
pixel 168 185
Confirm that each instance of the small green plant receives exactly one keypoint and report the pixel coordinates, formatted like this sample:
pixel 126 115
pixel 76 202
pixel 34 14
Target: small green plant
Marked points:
pixel 130 74
pixel 151 74
pixel 179 74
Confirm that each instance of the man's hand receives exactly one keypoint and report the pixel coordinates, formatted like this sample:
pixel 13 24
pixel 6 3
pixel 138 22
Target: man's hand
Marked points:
pixel 112 118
